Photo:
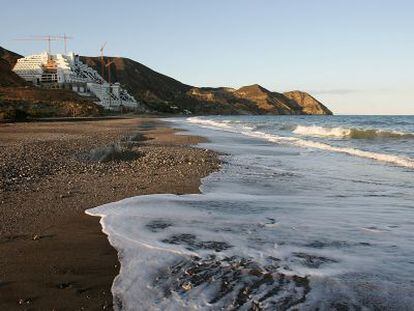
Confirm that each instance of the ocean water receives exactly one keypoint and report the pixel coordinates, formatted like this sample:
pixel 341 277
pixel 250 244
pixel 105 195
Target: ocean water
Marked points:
pixel 307 213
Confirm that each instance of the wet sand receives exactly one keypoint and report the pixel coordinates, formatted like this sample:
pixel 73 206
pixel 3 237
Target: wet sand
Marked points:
pixel 52 255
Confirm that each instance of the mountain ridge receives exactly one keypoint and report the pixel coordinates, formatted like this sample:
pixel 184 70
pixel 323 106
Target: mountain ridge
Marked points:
pixel 163 94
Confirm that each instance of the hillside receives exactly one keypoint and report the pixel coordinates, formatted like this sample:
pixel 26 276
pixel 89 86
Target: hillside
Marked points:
pixel 20 103
pixel 309 104
pixel 7 76
pixel 146 85
pixel 164 94
pixel 9 57
pixel 19 100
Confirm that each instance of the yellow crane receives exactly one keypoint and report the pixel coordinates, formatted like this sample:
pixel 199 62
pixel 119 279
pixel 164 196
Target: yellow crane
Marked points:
pixel 108 65
pixel 102 60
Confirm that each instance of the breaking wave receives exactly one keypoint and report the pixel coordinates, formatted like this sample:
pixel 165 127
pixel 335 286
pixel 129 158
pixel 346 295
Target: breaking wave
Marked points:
pixel 356 133
pixel 381 157
pixel 268 233
pixel 188 253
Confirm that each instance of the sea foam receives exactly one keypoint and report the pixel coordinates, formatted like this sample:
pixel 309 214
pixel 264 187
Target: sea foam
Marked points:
pixel 182 252
pixel 339 132
pixel 356 133
pixel 270 230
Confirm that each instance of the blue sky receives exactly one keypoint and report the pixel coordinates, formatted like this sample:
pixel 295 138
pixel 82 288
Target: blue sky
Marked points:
pixel 355 56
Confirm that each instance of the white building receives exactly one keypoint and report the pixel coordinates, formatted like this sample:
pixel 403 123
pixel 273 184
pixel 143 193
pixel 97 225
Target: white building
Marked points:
pixel 67 71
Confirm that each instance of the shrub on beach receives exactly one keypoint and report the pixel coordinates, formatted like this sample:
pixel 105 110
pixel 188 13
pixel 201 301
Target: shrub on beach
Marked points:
pixel 12 115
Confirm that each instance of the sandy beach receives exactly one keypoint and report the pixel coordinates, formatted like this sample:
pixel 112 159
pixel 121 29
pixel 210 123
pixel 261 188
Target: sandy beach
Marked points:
pixel 53 255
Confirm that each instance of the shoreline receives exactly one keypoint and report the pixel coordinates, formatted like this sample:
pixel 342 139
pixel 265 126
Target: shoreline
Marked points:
pixel 53 254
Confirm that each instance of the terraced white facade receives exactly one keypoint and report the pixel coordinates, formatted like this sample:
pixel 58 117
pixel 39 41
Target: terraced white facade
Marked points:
pixel 67 71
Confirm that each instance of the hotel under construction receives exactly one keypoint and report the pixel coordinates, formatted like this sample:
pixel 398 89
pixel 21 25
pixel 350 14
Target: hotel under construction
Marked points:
pixel 68 71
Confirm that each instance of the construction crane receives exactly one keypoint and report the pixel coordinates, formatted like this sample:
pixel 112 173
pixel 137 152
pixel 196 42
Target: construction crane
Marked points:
pixel 108 65
pixel 65 38
pixel 102 60
pixel 47 38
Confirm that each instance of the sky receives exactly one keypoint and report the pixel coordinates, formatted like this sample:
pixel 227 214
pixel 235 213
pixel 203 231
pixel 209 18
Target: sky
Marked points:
pixel 356 56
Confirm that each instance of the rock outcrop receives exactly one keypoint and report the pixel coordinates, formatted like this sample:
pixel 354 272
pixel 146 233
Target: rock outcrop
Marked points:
pixel 308 103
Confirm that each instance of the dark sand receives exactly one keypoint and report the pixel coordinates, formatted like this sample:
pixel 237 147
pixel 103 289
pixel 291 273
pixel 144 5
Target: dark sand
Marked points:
pixel 52 255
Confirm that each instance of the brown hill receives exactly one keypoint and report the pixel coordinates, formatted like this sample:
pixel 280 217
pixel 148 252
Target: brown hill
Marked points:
pixel 252 99
pixel 267 102
pixel 255 99
pixel 7 77
pixel 164 94
pixel 309 104
pixel 30 102
pixel 161 93
pixel 9 56
pixel 143 83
